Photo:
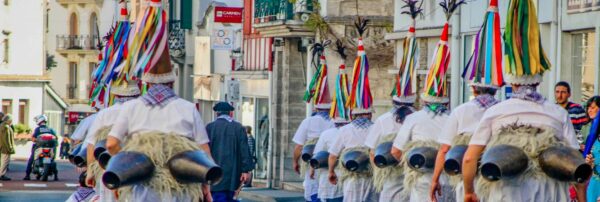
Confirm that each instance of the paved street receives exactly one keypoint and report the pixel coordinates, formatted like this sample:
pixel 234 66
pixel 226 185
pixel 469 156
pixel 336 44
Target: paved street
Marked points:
pixel 34 190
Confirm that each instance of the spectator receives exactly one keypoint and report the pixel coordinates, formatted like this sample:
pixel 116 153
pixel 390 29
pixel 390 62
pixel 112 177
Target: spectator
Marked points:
pixel 252 147
pixel 7 145
pixel 592 150
pixel 229 148
pixel 578 116
pixel 65 147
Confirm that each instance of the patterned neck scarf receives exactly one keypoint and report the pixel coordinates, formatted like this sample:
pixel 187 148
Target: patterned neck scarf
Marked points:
pixel 83 193
pixel 226 117
pixel 362 123
pixel 436 108
pixel 120 100
pixel 486 100
pixel 528 93
pixel 323 114
pixel 159 95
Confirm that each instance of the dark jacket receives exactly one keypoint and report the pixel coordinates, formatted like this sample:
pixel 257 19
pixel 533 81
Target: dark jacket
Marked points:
pixel 229 148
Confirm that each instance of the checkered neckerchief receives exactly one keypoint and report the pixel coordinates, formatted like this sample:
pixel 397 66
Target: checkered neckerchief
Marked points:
pixel 362 123
pixel 159 95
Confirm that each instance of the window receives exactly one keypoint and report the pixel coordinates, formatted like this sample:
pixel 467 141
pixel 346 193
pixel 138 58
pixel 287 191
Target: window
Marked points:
pixel 23 111
pixel 583 71
pixel 73 25
pixel 93 30
pixel 7 106
pixel 72 85
pixel 469 44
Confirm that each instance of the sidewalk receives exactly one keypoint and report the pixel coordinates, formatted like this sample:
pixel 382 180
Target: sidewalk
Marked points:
pixel 270 195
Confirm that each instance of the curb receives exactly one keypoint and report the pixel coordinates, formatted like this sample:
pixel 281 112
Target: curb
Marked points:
pixel 270 195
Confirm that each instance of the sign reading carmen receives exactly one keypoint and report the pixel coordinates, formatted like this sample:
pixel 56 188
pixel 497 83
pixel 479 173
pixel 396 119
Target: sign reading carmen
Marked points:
pixel 228 14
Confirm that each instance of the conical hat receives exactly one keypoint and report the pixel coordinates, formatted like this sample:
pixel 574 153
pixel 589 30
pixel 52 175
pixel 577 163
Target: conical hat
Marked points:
pixel 129 88
pixel 162 72
pixel 484 68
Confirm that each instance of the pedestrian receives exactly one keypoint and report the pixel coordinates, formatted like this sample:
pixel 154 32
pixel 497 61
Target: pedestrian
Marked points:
pixel 592 148
pixel 578 116
pixel 229 147
pixel 525 119
pixel 42 128
pixel 173 124
pixel 311 127
pixel 252 146
pixel 7 145
pixel 357 184
pixel 65 147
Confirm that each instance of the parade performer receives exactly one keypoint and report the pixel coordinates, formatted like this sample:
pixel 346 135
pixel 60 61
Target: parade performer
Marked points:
pixel 311 128
pixel 420 129
pixel 484 74
pixel 339 113
pixel 158 125
pixel 388 179
pixel 350 144
pixel 527 122
pixel 98 132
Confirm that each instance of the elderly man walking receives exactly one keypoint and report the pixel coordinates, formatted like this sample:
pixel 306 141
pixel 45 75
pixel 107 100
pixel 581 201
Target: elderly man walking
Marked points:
pixel 7 145
pixel 229 146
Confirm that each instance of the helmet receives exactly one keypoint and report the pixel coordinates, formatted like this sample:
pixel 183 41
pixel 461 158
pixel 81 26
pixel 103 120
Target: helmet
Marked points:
pixel 41 118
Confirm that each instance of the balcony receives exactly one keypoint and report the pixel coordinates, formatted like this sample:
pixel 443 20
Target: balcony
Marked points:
pixel 582 6
pixel 176 39
pixel 280 18
pixel 82 2
pixel 78 44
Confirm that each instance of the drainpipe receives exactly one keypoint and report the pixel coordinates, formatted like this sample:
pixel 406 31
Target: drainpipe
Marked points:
pixel 597 57
pixel 455 61
pixel 309 73
pixel 554 50
pixel 559 40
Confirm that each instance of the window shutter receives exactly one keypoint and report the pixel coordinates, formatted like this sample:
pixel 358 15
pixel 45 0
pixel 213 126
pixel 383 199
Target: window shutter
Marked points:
pixel 186 14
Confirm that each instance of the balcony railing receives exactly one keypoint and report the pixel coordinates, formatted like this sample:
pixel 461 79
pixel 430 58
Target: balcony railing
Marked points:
pixel 176 38
pixel 272 10
pixel 76 42
pixel 581 6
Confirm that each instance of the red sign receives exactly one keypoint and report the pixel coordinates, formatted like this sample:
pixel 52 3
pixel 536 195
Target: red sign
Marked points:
pixel 228 14
pixel 73 116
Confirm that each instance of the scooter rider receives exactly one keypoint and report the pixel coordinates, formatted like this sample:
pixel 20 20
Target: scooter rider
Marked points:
pixel 41 121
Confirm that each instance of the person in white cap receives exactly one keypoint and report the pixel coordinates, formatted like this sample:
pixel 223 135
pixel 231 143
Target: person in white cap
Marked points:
pixel 357 184
pixel 311 128
pixel 525 119
pixel 421 129
pixel 158 116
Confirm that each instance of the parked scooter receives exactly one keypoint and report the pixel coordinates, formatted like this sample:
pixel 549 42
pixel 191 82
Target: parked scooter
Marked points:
pixel 45 153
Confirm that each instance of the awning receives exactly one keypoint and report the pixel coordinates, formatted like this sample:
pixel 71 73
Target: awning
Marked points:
pixel 59 101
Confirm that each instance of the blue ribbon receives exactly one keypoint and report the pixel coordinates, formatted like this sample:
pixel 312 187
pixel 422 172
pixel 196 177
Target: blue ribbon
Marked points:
pixel 592 136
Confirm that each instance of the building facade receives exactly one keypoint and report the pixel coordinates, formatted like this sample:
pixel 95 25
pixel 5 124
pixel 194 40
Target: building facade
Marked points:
pixel 569 39
pixel 24 81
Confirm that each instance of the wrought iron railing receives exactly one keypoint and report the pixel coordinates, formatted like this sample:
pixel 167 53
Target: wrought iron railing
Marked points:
pixel 176 38
pixel 272 10
pixel 580 6
pixel 76 42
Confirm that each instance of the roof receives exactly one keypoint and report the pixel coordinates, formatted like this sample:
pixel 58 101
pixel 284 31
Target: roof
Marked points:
pixel 55 97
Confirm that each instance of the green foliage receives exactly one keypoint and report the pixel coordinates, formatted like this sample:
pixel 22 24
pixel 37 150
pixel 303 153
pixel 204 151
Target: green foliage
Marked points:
pixel 22 128
pixel 50 62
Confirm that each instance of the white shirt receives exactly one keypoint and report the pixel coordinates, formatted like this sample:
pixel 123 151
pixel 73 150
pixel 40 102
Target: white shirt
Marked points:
pixel 326 140
pixel 310 128
pixel 384 125
pixel 178 116
pixel 81 130
pixel 421 125
pixel 326 189
pixel 350 136
pixel 524 112
pixel 463 119
pixel 106 117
